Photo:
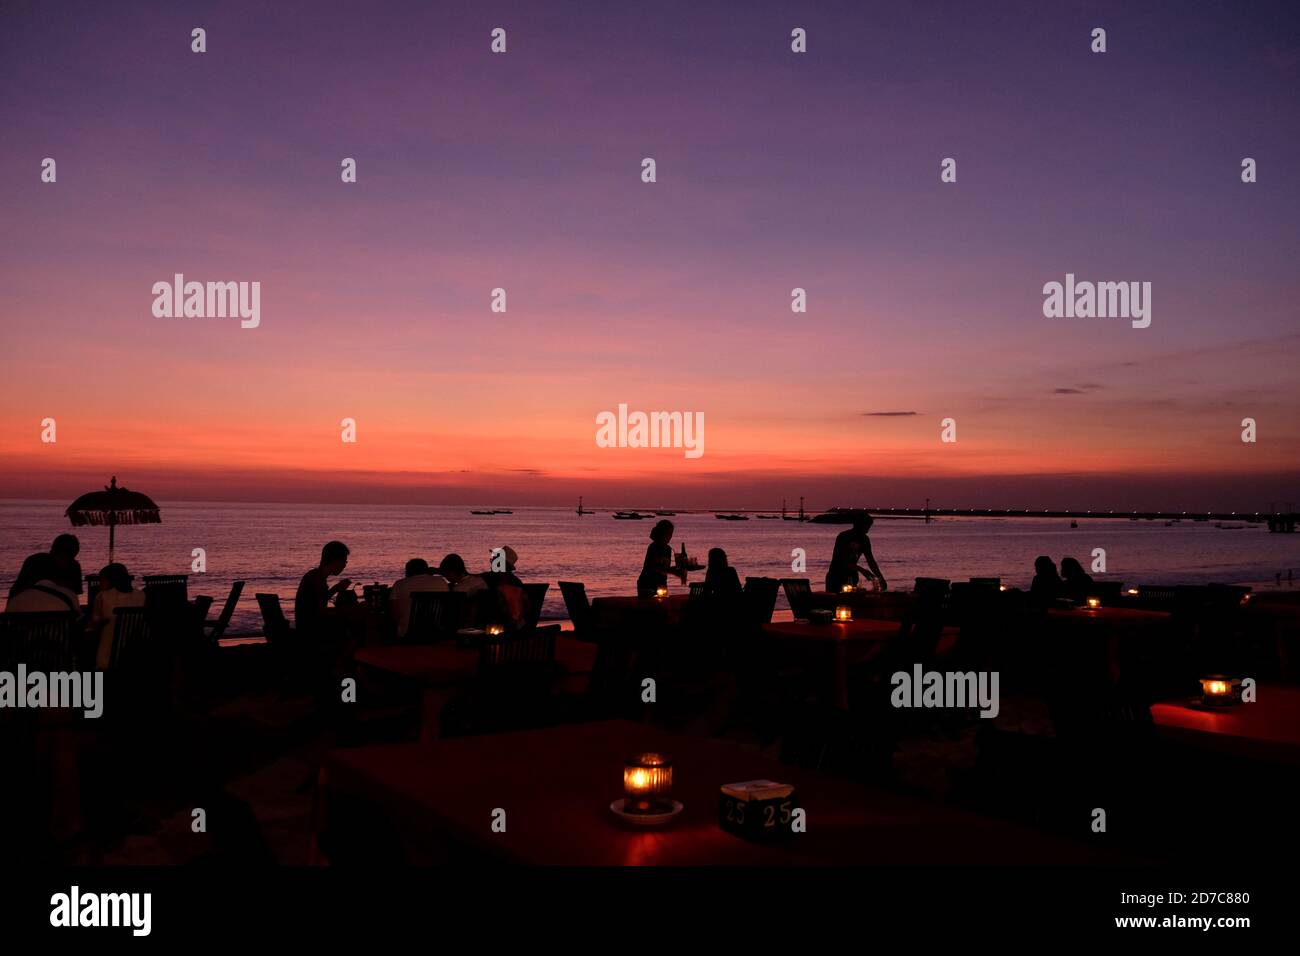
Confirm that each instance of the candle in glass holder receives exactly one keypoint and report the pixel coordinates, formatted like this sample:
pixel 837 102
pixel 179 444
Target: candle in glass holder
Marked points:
pixel 1217 690
pixel 1094 602
pixel 661 592
pixel 647 781
pixel 848 589
pixel 844 613
pixel 494 630
pixel 1132 592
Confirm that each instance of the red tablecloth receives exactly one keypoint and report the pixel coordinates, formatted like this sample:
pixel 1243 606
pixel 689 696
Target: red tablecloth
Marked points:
pixel 556 785
pixel 625 611
pixel 881 605
pixel 1119 619
pixel 833 648
pixel 447 663
pixel 1267 729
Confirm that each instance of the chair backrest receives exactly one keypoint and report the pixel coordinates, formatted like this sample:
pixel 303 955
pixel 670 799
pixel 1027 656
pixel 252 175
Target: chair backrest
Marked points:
pixel 133 639
pixel 760 599
pixel 578 605
pixel 697 590
pixel 927 586
pixel 202 604
pixel 228 609
pixel 274 624
pixel 92 589
pixel 43 640
pixel 798 592
pixel 434 615
pixel 525 651
pixel 536 598
pixel 993 583
pixel 160 582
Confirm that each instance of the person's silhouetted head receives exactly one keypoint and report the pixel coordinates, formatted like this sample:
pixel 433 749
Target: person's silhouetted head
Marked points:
pixel 863 523
pixel 115 577
pixel 453 568
pixel 334 557
pixel 717 559
pixel 66 547
pixel 512 558
pixel 1071 569
pixel 1045 566
pixel 416 566
pixel 662 532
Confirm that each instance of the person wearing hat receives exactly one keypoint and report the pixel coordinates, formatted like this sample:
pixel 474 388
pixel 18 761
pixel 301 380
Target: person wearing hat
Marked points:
pixel 114 591
pixel 502 556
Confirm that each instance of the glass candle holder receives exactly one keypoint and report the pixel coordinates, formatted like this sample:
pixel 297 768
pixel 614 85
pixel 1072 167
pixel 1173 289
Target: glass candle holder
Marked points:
pixel 844 613
pixel 647 781
pixel 1218 690
pixel 1093 602
pixel 494 630
pixel 848 589
pixel 661 592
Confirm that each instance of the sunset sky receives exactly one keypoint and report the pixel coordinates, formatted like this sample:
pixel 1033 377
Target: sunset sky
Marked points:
pixel 775 170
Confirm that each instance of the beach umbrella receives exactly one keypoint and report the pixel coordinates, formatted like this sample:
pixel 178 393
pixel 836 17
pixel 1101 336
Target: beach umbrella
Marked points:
pixel 113 506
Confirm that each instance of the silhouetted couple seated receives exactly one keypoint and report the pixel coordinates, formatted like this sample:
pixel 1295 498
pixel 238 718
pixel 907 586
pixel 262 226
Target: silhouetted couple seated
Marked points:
pixel 1072 584
pixel 508 599
pixel 49 580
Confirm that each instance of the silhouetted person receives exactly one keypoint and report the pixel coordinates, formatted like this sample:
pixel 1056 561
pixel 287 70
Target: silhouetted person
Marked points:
pixel 494 577
pixel 419 577
pixel 1076 583
pixel 311 610
pixel 58 565
pixel 850 546
pixel 721 580
pixel 115 591
pixel 1046 586
pixel 658 561
pixel 458 576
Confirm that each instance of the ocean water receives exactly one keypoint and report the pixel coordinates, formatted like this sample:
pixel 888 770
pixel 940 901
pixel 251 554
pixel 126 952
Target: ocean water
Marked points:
pixel 270 546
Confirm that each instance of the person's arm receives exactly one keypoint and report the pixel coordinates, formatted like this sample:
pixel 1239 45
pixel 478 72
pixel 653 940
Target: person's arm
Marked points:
pixel 871 563
pixel 341 585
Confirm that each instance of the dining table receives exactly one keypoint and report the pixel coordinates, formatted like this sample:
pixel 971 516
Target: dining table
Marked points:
pixel 543 797
pixel 437 670
pixel 881 605
pixel 833 648
pixel 1266 729
pixel 629 611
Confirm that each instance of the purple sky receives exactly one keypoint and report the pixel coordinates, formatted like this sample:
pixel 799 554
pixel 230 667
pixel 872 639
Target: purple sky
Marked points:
pixel 775 170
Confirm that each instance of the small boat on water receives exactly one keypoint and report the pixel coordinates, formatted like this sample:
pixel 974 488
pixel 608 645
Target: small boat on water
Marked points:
pixel 581 510
pixel 482 512
pixel 768 517
pixel 1074 524
pixel 732 517
pixel 629 516
pixel 1228 527
pixel 666 514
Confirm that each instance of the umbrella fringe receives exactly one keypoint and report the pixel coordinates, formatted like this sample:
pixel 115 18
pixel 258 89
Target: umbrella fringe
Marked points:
pixel 130 516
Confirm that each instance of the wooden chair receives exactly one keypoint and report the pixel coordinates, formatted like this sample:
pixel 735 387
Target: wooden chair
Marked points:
pixel 275 626
pixel 760 600
pixel 134 645
pixel 696 591
pixel 512 686
pixel 215 629
pixel 798 592
pixel 578 605
pixel 435 615
pixel 43 640
pixel 536 598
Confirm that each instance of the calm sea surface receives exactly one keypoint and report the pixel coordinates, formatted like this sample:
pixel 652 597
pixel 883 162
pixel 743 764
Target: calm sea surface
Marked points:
pixel 271 545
